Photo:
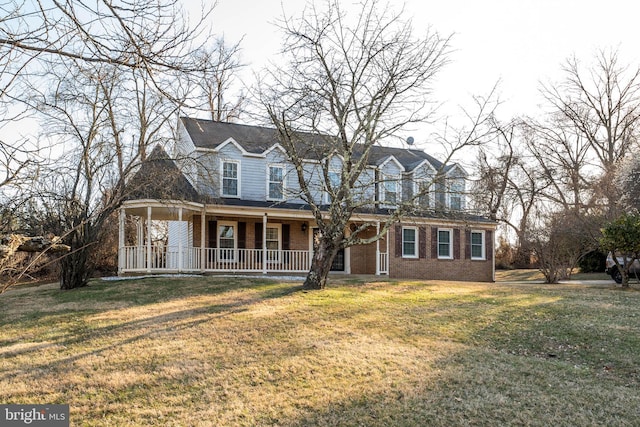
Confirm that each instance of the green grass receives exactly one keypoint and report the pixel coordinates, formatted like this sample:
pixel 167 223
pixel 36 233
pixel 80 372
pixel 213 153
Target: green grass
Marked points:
pixel 230 351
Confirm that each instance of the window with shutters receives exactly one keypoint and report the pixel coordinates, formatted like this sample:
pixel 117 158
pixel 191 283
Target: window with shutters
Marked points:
pixel 227 240
pixel 477 245
pixel 409 242
pixel 273 242
pixel 445 244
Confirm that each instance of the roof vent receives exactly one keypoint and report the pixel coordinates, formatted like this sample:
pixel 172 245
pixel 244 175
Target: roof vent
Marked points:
pixel 410 140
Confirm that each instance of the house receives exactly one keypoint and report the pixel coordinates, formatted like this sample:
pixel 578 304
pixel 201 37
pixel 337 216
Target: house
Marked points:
pixel 233 203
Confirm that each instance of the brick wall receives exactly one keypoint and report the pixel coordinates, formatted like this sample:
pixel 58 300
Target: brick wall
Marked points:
pixel 298 239
pixel 430 267
pixel 363 257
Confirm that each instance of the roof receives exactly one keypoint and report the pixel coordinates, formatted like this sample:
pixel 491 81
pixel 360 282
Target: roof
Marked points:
pixel 427 213
pixel 210 134
pixel 160 178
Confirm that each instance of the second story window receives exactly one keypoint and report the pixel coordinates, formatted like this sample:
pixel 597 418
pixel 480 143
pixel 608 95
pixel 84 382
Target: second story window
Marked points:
pixel 230 179
pixel 333 185
pixel 456 194
pixel 276 183
pixel 389 186
pixel 423 192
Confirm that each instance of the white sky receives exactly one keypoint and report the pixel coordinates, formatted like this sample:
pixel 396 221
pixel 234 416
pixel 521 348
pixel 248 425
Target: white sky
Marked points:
pixel 520 42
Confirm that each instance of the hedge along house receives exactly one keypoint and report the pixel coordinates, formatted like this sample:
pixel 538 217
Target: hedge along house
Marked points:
pixel 232 204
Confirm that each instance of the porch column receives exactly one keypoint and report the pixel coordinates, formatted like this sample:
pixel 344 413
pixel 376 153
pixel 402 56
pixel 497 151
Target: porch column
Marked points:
pixel 203 223
pixel 180 257
pixel 140 258
pixel 378 249
pixel 264 244
pixel 387 257
pixel 121 238
pixel 149 257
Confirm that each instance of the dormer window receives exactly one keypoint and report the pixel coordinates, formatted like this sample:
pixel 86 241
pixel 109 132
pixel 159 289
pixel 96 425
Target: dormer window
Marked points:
pixel 456 194
pixel 275 182
pixel 389 189
pixel 230 179
pixel 423 193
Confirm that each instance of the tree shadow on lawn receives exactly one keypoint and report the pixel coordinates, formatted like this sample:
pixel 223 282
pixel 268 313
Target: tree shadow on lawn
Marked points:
pixel 77 327
pixel 503 390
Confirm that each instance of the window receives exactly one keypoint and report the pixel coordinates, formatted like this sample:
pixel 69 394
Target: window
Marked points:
pixel 230 179
pixel 409 242
pixel 456 192
pixel 273 243
pixel 389 190
pixel 423 191
pixel 477 245
pixel 334 183
pixel 444 244
pixel 227 243
pixel 276 183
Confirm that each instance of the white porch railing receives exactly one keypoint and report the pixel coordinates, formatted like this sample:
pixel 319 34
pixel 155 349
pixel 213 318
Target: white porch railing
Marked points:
pixel 384 263
pixel 136 259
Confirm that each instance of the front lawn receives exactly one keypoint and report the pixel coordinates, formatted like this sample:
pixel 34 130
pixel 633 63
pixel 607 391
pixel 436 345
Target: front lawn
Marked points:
pixel 207 351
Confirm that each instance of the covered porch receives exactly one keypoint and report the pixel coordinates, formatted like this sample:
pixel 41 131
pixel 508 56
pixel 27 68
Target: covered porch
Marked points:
pixel 175 237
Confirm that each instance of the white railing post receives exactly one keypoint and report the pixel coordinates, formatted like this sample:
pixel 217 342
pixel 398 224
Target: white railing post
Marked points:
pixel 203 255
pixel 378 249
pixel 121 237
pixel 149 254
pixel 264 244
pixel 180 254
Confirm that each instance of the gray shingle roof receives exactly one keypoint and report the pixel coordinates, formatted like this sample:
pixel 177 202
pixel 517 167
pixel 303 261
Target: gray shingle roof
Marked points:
pixel 159 178
pixel 256 139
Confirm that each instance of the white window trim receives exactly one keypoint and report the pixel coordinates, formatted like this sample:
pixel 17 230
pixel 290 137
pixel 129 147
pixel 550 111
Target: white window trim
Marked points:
pixel 222 162
pixel 460 194
pixel 383 192
pixel 284 180
pixel 326 195
pixel 416 242
pixel 233 224
pixel 482 245
pixel 279 251
pixel 431 195
pixel 450 256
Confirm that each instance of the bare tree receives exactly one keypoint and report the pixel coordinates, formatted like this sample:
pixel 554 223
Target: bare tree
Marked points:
pixel 221 63
pixel 597 112
pixel 510 186
pixel 494 167
pixel 107 80
pixel 351 83
pixel 561 241
pixel 154 35
pixel 627 180
pixel 106 138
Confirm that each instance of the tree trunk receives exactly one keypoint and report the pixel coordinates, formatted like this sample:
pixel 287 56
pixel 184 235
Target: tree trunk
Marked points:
pixel 323 255
pixel 75 270
pixel 625 278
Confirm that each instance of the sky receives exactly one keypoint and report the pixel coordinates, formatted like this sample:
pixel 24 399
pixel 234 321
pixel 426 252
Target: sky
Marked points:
pixel 517 42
